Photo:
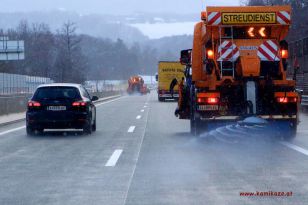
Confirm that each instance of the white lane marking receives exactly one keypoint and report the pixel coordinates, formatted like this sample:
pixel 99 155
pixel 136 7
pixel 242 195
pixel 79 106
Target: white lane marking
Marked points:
pixel 131 129
pixel 142 110
pixel 109 101
pixel 138 154
pixel 114 158
pixel 145 106
pixel 295 147
pixel 12 130
pixel 138 117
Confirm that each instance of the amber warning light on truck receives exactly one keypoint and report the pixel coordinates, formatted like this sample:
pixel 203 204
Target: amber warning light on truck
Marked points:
pixel 248 18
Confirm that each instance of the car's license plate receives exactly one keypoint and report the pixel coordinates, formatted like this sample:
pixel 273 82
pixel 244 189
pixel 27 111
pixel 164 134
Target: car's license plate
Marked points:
pixel 208 107
pixel 56 108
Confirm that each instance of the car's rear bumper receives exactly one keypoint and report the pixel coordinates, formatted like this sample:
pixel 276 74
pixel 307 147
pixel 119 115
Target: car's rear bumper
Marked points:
pixel 57 120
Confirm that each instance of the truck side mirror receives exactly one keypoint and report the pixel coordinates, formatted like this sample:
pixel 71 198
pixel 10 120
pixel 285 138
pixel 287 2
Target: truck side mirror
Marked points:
pixel 156 77
pixel 186 57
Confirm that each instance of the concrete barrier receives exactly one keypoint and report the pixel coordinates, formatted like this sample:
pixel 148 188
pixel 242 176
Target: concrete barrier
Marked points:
pixel 13 104
pixel 106 94
pixel 17 104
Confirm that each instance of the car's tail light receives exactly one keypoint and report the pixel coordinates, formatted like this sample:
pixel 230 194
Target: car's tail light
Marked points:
pixel 34 104
pixel 284 100
pixel 209 100
pixel 79 104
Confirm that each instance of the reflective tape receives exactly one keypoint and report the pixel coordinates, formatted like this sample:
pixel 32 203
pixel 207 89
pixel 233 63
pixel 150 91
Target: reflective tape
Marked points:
pixel 269 51
pixel 228 51
pixel 214 18
pixel 283 17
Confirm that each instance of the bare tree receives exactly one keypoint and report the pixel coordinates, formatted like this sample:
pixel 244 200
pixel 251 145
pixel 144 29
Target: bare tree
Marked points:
pixel 70 59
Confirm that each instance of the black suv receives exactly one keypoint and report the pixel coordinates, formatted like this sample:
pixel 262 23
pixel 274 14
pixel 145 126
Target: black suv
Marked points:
pixel 61 106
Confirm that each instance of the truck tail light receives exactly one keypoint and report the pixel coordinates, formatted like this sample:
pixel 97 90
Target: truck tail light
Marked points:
pixel 284 100
pixel 208 100
pixel 284 54
pixel 212 100
pixel 34 104
pixel 293 100
pixel 210 54
pixel 201 100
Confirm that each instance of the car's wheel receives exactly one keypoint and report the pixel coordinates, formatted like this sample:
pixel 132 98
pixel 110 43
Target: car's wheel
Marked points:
pixel 87 129
pixel 39 131
pixel 30 131
pixel 94 126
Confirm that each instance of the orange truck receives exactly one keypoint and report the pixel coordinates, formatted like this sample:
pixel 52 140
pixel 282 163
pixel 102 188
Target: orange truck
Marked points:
pixel 136 85
pixel 239 64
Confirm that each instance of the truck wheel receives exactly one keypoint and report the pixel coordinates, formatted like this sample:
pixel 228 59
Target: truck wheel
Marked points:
pixel 291 134
pixel 160 99
pixel 193 128
pixel 196 127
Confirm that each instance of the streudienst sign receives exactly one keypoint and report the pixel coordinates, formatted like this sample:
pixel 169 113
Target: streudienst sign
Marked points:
pixel 249 18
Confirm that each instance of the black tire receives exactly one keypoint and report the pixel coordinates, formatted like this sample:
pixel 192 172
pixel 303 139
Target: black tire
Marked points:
pixel 94 126
pixel 193 120
pixel 39 131
pixel 30 131
pixel 193 127
pixel 197 127
pixel 291 134
pixel 160 99
pixel 87 129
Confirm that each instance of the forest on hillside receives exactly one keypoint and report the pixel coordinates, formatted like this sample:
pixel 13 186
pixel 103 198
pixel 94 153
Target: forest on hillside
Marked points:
pixel 66 56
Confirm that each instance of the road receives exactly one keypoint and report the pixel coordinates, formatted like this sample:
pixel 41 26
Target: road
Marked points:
pixel 141 154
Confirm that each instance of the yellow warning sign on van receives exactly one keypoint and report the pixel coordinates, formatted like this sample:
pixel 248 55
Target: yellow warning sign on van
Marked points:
pixel 248 18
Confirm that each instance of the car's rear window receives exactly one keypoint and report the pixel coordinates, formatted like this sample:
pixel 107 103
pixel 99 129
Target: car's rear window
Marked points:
pixel 56 93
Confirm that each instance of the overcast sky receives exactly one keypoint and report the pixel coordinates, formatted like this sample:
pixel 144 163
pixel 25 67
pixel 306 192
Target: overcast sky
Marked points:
pixel 112 6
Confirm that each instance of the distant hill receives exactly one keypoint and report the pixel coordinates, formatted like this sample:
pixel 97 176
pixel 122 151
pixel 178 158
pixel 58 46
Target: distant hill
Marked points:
pixel 169 47
pixel 103 26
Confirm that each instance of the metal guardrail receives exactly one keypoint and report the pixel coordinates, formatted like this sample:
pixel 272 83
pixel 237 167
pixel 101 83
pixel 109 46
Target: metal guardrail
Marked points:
pixel 304 100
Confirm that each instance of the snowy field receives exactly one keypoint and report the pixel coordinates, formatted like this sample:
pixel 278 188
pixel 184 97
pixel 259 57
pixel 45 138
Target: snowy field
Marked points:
pixel 159 30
